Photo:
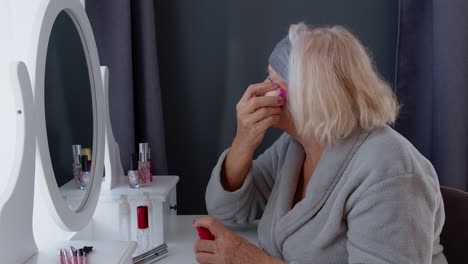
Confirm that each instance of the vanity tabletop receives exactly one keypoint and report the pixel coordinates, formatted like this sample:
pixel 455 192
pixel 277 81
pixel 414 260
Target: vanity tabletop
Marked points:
pixel 118 252
pixel 182 236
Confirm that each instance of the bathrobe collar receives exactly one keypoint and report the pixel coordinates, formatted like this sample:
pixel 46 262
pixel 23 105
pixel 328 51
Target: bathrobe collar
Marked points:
pixel 328 172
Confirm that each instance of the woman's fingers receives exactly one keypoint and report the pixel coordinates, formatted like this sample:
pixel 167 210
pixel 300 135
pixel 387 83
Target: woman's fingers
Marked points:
pixel 264 101
pixel 215 227
pixel 207 246
pixel 258 88
pixel 262 113
pixel 261 101
pixel 247 115
pixel 267 123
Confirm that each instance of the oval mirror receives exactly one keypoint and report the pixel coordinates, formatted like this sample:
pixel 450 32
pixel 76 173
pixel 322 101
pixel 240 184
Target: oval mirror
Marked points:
pixel 68 111
pixel 70 107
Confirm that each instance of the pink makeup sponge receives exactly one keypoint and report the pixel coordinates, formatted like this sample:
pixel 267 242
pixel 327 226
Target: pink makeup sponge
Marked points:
pixel 204 233
pixel 278 92
pixel 273 93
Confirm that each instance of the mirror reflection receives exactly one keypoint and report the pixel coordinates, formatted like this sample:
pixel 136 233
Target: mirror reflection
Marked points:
pixel 68 111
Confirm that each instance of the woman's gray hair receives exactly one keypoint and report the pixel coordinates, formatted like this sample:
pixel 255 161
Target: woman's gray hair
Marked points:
pixel 333 86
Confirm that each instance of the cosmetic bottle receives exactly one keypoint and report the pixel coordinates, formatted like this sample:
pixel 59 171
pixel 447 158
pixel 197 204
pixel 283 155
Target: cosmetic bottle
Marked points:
pixel 124 218
pixel 87 152
pixel 143 164
pixel 85 175
pixel 76 162
pixel 134 179
pixel 204 233
pixel 143 231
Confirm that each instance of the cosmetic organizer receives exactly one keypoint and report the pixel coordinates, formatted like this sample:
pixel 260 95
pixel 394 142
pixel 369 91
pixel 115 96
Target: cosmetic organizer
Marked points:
pixel 106 225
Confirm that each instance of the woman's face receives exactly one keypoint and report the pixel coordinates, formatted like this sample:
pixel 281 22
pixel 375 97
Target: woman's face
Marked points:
pixel 285 123
pixel 274 77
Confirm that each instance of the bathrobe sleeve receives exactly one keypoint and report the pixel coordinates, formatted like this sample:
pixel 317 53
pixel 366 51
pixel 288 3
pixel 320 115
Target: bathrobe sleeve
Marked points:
pixel 393 222
pixel 247 203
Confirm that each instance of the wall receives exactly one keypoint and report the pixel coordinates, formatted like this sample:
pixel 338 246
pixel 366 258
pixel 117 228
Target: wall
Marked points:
pixel 210 51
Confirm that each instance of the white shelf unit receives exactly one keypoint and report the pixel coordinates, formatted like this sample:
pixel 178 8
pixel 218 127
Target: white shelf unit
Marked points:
pixel 105 222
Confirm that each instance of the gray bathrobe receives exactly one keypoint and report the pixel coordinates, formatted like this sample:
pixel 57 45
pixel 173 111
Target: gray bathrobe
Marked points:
pixel 373 198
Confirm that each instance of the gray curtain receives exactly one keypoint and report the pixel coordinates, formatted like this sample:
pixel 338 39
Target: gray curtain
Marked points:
pixel 432 84
pixel 126 40
pixel 210 51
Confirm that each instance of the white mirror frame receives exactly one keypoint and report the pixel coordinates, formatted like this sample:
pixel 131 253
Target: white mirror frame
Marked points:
pixel 112 162
pixel 43 23
pixel 16 202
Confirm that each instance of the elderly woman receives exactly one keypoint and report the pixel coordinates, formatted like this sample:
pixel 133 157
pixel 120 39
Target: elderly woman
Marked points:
pixel 340 185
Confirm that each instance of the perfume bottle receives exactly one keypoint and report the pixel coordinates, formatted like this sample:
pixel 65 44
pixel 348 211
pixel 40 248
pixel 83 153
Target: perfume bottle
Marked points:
pixel 143 232
pixel 133 174
pixel 87 152
pixel 76 162
pixel 85 175
pixel 124 218
pixel 143 164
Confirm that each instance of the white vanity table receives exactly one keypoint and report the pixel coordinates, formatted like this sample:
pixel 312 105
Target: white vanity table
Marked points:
pixel 48 47
pixel 180 241
pixel 36 152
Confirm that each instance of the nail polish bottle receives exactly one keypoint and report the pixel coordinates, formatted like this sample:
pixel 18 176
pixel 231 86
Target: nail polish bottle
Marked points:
pixel 143 164
pixel 85 175
pixel 124 218
pixel 76 162
pixel 204 233
pixel 143 232
pixel 87 152
pixel 134 179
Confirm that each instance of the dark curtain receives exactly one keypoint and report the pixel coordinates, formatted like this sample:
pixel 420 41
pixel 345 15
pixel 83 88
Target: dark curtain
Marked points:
pixel 432 84
pixel 210 51
pixel 126 39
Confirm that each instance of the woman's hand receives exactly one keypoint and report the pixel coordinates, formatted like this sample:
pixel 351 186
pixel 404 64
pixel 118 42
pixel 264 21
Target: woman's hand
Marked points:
pixel 227 248
pixel 255 114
